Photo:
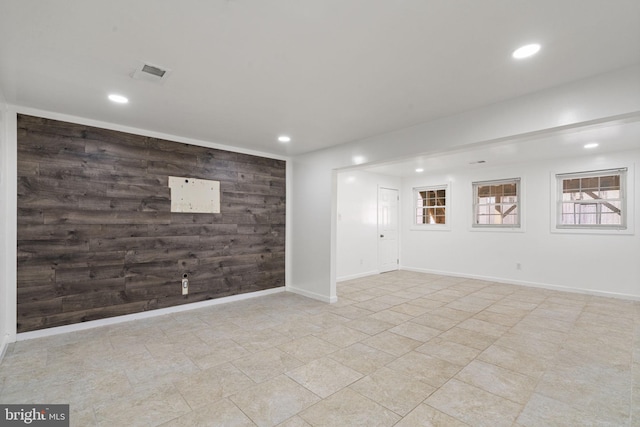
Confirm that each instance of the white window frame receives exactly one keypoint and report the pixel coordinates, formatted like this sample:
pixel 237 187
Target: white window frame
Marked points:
pixel 624 202
pixel 447 208
pixel 496 227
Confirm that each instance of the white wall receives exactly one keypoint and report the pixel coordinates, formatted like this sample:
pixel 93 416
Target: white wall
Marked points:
pixel 603 98
pixel 313 205
pixel 357 222
pixel 8 236
pixel 4 339
pixel 595 263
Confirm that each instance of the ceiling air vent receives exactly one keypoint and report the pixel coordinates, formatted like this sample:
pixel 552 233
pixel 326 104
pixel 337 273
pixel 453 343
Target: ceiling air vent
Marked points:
pixel 151 73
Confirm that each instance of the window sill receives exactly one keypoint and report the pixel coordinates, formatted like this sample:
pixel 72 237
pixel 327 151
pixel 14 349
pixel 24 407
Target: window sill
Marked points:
pixel 498 229
pixel 430 227
pixel 604 231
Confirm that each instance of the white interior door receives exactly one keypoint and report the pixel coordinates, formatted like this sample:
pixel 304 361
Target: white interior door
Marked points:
pixel 387 230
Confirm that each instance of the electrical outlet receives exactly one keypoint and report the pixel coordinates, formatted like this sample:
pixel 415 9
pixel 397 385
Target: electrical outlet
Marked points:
pixel 185 285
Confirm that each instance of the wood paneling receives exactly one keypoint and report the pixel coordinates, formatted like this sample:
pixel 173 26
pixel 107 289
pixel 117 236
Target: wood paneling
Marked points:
pixel 96 237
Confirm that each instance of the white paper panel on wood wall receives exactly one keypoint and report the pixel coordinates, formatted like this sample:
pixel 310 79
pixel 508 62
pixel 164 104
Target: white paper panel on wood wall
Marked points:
pixel 192 195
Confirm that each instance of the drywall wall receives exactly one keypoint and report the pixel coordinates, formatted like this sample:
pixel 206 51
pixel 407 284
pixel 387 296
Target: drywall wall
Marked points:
pixel 97 238
pixel 357 222
pixel 7 323
pixel 599 263
pixel 4 320
pixel 8 193
pixel 603 98
pixel 313 188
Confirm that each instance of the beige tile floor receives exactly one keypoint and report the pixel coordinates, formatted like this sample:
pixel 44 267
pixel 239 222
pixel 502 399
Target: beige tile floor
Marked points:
pixel 401 348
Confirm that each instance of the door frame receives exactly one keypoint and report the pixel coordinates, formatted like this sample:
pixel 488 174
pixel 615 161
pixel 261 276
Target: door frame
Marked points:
pixel 397 251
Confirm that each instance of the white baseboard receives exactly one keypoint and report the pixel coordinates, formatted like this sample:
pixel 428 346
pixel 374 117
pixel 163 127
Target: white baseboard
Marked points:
pixel 526 283
pixel 4 343
pixel 357 276
pixel 143 315
pixel 312 295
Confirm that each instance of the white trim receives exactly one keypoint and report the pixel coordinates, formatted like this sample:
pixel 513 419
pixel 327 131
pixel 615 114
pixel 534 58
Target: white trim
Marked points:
pixel 333 241
pixel 357 276
pixel 5 300
pixel 143 315
pixel 430 227
pixel 143 132
pixel 288 223
pixel 447 208
pixel 520 227
pixel 311 295
pixel 4 344
pixel 398 225
pixel 497 229
pixel 629 191
pixel 9 189
pixel 519 204
pixel 622 198
pixel 526 283
pixel 593 173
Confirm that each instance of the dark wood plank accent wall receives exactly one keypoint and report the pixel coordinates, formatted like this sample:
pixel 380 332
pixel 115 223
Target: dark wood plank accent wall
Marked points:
pixel 96 236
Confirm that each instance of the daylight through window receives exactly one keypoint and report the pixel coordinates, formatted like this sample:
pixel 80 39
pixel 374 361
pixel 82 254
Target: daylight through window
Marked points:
pixel 431 205
pixel 497 203
pixel 592 199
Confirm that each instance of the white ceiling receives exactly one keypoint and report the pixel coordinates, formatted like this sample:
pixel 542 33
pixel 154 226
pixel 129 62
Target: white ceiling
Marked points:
pixel 612 136
pixel 324 72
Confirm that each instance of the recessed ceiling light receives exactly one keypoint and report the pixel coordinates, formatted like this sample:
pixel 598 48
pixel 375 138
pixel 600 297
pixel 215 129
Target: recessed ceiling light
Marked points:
pixel 591 145
pixel 419 170
pixel 284 138
pixel 118 98
pixel 526 51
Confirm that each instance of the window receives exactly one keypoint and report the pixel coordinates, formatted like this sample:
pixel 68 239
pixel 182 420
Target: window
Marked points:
pixel 592 199
pixel 496 203
pixel 431 205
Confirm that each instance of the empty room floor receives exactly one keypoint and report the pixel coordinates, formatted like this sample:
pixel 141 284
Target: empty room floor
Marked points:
pixel 401 348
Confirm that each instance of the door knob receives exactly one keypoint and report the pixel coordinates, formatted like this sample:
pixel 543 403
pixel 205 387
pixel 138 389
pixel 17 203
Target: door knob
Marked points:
pixel 382 235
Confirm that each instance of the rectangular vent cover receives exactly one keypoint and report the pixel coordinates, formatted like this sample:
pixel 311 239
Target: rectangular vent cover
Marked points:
pixel 151 73
pixel 158 72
